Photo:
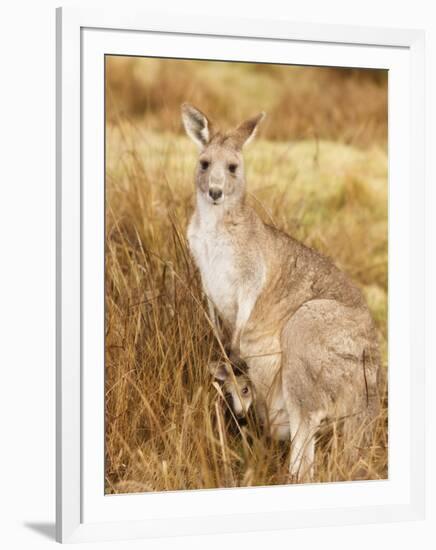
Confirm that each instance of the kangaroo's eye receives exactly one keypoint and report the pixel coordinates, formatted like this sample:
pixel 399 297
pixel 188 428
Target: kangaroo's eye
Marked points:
pixel 245 390
pixel 204 164
pixel 232 168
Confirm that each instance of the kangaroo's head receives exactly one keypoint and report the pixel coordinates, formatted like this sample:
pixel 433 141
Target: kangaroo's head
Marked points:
pixel 220 171
pixel 236 385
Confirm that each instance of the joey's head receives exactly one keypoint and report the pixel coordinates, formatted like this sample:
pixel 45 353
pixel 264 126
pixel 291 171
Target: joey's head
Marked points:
pixel 220 170
pixel 236 386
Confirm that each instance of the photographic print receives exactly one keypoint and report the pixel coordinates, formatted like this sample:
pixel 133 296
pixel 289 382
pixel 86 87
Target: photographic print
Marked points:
pixel 246 274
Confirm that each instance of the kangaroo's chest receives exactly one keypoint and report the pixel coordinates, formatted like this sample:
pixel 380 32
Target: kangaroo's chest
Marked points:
pixel 216 258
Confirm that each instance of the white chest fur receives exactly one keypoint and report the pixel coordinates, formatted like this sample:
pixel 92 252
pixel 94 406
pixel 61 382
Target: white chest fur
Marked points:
pixel 215 256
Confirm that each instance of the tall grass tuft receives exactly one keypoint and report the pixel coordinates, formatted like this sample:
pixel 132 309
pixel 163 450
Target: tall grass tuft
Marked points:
pixel 167 426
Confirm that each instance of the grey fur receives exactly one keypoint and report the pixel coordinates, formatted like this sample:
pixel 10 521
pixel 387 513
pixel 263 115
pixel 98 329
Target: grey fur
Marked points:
pixel 301 325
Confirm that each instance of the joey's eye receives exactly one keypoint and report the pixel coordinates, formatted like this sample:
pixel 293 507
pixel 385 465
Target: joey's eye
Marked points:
pixel 204 164
pixel 232 168
pixel 245 390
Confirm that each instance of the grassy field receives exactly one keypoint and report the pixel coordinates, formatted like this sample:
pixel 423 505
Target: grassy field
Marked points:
pixel 323 182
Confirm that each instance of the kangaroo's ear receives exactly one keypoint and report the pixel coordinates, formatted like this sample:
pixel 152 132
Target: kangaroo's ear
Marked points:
pixel 219 370
pixel 197 125
pixel 246 131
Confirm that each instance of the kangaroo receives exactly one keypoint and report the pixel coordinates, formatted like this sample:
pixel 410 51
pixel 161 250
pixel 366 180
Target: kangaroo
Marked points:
pixel 240 395
pixel 236 387
pixel 301 325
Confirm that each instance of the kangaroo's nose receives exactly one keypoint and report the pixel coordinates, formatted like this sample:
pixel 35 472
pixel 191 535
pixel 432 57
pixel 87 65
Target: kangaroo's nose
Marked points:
pixel 215 194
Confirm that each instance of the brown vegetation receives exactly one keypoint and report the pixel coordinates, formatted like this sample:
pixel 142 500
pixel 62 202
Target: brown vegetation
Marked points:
pixel 319 171
pixel 346 105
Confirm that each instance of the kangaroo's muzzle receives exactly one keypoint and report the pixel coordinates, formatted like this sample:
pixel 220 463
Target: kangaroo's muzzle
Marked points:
pixel 215 193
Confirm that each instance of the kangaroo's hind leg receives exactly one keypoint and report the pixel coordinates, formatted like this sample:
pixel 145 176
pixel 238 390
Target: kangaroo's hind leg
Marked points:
pixel 323 371
pixel 303 429
pixel 304 421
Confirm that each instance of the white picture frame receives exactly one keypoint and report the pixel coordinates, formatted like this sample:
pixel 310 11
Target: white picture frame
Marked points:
pixel 84 513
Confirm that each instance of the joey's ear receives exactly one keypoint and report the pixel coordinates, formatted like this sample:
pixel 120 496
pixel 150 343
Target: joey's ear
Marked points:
pixel 219 370
pixel 246 131
pixel 197 125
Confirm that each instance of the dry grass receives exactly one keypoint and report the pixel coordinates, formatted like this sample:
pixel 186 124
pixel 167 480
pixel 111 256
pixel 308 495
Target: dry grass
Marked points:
pixel 166 426
pixel 346 105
